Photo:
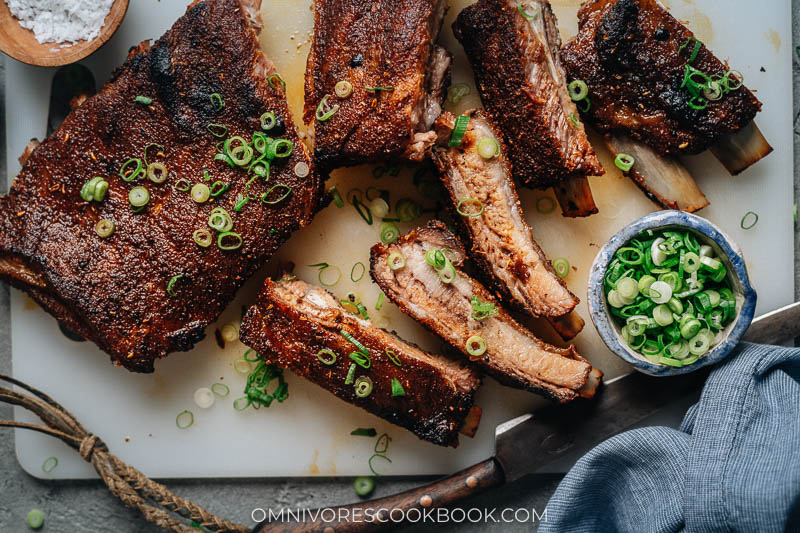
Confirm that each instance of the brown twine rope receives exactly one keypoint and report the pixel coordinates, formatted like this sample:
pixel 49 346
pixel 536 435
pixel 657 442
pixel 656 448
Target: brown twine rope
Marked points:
pixel 152 499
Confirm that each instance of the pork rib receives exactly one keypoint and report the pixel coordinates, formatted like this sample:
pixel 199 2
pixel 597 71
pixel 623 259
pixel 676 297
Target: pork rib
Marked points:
pixel 292 321
pixel 114 290
pixel 514 356
pixel 383 44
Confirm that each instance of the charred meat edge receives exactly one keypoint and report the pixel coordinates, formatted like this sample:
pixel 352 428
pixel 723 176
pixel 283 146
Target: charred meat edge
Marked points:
pixel 514 356
pixel 294 320
pixel 499 239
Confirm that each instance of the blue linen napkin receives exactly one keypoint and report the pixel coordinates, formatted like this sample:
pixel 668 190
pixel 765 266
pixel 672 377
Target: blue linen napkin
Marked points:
pixel 734 464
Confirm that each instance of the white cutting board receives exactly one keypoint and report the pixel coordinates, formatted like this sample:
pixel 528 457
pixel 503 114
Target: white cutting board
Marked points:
pixel 309 434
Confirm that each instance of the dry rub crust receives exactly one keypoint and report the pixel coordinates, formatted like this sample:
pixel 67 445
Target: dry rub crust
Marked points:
pixel 635 79
pixel 500 239
pixel 292 321
pixel 557 373
pixel 530 107
pixel 113 290
pixel 376 43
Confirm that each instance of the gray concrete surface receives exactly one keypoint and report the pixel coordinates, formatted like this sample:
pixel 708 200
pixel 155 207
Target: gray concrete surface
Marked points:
pixel 87 506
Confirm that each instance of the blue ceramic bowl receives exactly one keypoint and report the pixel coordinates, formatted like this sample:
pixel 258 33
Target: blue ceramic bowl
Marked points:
pixel 707 233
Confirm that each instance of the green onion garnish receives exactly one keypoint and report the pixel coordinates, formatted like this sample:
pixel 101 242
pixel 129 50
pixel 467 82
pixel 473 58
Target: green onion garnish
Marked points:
pixel 322 268
pixel 363 386
pixel 357 273
pixel 354 342
pixel 280 148
pixel 476 211
pixel 218 188
pixel 379 303
pixel 171 284
pixel 325 110
pixel 216 101
pixel 94 189
pixel 573 119
pixel 146 100
pixel 229 332
pixel 561 266
pixel 242 365
pixel 220 389
pixel 456 92
pixel 695 49
pixel 256 390
pixel 128 176
pixel 49 464
pixel 351 374
pixel 407 210
pixel 35 518
pixel 457 135
pixel 382 443
pixel 488 147
pixel 220 220
pixel 372 469
pixel 138 196
pixel 326 356
pixel 200 193
pixel 274 76
pixel 361 359
pixel 104 228
pixel 394 358
pixel 476 346
pixel 584 105
pixel 242 403
pixel 624 162
pixel 578 90
pixel 749 220
pixel 388 88
pixel 280 187
pixel 268 122
pixel 521 9
pixel 184 420
pixel 157 172
pixel 160 152
pixel 364 432
pixel 545 205
pixel 481 310
pixel 396 261
pixel 182 185
pixel 217 130
pixel 228 240
pixel 389 232
pixel 343 89
pixel 337 198
pixel 363 211
pixel 397 388
pixel 362 310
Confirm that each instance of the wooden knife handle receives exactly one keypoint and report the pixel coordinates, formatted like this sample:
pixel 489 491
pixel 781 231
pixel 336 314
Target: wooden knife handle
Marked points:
pixel 375 515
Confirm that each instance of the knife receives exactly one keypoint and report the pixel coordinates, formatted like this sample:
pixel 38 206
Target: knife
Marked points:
pixel 525 444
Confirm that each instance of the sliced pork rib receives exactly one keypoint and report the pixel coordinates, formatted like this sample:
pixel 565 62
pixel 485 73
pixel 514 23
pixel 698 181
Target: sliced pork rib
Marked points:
pixel 493 226
pixel 518 71
pixel 292 321
pixel 385 49
pixel 148 289
pixel 513 356
pixel 632 54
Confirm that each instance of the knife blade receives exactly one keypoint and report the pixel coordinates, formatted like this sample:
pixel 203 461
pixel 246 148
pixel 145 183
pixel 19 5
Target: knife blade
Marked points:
pixel 531 441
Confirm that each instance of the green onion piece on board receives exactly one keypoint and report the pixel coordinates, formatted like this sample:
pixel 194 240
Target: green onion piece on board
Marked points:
pixel 220 389
pixel 357 272
pixel 372 467
pixel 49 464
pixel 35 518
pixel 389 232
pixel 337 198
pixel 184 420
pixel 364 432
pixel 456 92
pixel 749 220
pixel 364 486
pixel 561 266
pixel 524 13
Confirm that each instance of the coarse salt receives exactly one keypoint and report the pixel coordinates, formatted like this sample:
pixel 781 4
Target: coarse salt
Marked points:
pixel 59 21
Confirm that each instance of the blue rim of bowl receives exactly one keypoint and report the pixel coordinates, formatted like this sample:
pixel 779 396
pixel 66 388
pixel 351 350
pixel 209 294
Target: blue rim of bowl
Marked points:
pixel 597 304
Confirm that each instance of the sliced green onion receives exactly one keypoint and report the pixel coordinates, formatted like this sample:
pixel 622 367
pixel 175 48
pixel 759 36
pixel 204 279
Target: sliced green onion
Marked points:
pixel 274 76
pixel 477 211
pixel 364 486
pixel 104 228
pixel 488 147
pixel 242 365
pixel 204 398
pixel 337 198
pixel 573 119
pixel 476 346
pixel 447 274
pixel 343 89
pixel 364 432
pixel 407 209
pixel 234 240
pixel 379 303
pixel 361 359
pixel 561 266
pixel 157 172
pixel 94 189
pixel 216 101
pixel 171 284
pixel 382 443
pixel 138 196
pixel 280 187
pixel 229 332
pixel 242 403
pixel 182 185
pixel 372 469
pixel 584 105
pixel 280 148
pixel 220 389
pixel 456 92
pixel 397 388
pixel 356 274
pixel 351 374
pixel 482 310
pixel 217 130
pixel 220 220
pixel 200 193
pixel 459 130
pixel 387 88
pixel 363 386
pixel 749 220
pixel 326 356
pixel 394 358
pixel 521 9
pixel 396 261
pixel 324 110
pixel 49 464
pixel 545 205
pixel 35 518
pixel 184 420
pixel 129 176
pixel 354 342
pixel 145 100
pixel 695 49
pixel 389 232
pixel 578 90
pixel 379 207
pixel 268 121
pixel 624 162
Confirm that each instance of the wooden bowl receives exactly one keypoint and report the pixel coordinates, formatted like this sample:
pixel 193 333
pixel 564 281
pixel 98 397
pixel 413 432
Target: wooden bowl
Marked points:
pixel 21 44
